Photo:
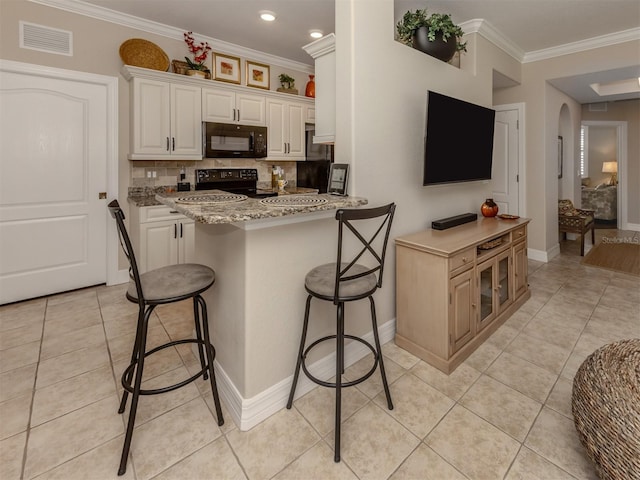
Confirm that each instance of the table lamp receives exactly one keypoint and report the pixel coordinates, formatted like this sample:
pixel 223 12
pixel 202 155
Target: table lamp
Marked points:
pixel 612 168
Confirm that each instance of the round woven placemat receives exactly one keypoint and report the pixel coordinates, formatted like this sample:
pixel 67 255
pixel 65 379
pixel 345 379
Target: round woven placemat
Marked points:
pixel 211 198
pixel 294 201
pixel 606 409
pixel 143 53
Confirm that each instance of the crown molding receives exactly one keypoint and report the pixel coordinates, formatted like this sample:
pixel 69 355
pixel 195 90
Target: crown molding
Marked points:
pixel 100 13
pixel 322 46
pixel 495 36
pixel 583 45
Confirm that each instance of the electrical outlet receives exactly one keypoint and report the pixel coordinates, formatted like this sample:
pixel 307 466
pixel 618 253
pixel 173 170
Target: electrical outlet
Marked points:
pixel 154 174
pixel 149 174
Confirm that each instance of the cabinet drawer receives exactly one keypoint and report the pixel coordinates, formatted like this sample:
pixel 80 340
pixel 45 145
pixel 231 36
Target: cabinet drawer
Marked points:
pixel 518 234
pixel 159 213
pixel 464 258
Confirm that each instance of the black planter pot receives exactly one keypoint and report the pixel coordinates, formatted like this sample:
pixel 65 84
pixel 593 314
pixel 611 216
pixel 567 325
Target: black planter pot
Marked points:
pixel 442 50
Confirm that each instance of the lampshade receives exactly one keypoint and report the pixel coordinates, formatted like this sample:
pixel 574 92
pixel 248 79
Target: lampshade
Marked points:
pixel 609 167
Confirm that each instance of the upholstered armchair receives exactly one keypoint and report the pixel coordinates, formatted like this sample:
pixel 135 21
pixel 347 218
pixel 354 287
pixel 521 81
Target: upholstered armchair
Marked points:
pixel 575 220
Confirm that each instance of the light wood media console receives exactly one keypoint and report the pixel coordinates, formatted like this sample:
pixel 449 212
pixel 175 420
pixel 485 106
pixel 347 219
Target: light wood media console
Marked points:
pixel 455 287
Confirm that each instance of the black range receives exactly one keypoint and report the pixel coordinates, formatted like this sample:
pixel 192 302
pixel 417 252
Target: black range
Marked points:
pixel 242 181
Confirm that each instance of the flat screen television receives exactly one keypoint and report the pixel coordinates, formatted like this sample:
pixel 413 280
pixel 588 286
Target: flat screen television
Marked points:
pixel 458 141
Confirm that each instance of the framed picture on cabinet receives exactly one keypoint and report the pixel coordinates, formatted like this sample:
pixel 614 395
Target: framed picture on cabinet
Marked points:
pixel 257 75
pixel 226 68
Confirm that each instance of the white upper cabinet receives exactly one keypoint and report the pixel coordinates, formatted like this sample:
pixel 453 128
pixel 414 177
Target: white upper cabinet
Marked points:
pixel 323 52
pixel 165 121
pixel 227 106
pixel 286 133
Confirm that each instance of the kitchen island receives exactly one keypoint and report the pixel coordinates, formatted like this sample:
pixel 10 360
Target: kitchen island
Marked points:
pixel 261 250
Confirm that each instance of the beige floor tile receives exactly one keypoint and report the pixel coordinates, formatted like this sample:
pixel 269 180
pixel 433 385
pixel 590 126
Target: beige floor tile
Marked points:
pixel 152 406
pixel 228 424
pixel 555 330
pixel 525 377
pixel 509 410
pixel 84 296
pixel 425 464
pixel 17 382
pixel 14 415
pixel 464 440
pixel 518 320
pixel 160 362
pixel 483 356
pixel 55 345
pixel 70 364
pixel 554 437
pixel 215 460
pixel 539 352
pixel 18 315
pixel 21 335
pixel 81 430
pixel 399 356
pixel 11 454
pixel 573 364
pixel 101 463
pixel 318 406
pixel 615 295
pixel 262 456
pixel 453 385
pixel 560 397
pixel 373 444
pixel 70 318
pixel 120 347
pixel 169 438
pixel 417 405
pixel 373 385
pixel 531 466
pixel 72 394
pixel 503 336
pixel 316 464
pixel 18 357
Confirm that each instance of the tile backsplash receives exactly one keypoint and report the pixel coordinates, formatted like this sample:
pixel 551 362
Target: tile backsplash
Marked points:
pixel 160 173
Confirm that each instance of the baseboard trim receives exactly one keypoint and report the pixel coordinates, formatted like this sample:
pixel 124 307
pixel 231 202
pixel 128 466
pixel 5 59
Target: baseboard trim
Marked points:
pixel 247 413
pixel 633 226
pixel 542 255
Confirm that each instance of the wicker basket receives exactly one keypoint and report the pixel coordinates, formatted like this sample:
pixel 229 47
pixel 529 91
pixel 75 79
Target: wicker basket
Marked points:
pixel 143 53
pixel 606 409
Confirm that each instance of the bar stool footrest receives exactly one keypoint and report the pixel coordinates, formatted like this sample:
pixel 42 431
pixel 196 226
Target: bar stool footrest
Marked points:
pixel 129 388
pixel 342 384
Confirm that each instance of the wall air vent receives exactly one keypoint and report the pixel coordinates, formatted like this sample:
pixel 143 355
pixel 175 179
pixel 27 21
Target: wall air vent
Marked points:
pixel 46 39
pixel 598 107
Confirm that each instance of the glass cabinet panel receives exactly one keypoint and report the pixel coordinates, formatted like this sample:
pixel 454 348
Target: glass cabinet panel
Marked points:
pixel 503 281
pixel 486 293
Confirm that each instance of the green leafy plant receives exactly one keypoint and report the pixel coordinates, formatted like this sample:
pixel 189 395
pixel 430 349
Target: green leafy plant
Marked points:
pixel 436 23
pixel 286 79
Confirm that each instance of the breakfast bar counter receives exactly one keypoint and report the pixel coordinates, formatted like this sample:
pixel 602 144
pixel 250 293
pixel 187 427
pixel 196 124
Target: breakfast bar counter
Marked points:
pixel 261 250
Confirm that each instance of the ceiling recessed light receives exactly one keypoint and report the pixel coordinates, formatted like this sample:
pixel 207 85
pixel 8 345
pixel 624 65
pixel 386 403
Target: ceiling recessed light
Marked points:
pixel 267 16
pixel 316 34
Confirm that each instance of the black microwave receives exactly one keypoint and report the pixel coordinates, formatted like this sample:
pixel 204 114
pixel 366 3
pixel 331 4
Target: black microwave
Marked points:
pixel 228 140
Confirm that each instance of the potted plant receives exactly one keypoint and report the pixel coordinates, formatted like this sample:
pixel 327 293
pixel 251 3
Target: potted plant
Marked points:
pixel 287 84
pixel 434 34
pixel 200 52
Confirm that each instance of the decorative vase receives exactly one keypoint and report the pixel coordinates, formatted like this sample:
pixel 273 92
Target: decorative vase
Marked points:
pixel 310 90
pixel 489 208
pixel 197 73
pixel 439 48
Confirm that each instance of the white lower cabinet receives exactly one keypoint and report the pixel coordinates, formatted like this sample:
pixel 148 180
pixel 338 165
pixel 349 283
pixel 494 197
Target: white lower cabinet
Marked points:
pixel 161 236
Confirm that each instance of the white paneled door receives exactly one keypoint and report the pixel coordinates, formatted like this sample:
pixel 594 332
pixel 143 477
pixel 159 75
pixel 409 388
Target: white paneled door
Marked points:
pixel 505 168
pixel 54 142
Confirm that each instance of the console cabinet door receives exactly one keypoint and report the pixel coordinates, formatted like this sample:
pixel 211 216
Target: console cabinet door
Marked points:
pixel 462 313
pixel 520 267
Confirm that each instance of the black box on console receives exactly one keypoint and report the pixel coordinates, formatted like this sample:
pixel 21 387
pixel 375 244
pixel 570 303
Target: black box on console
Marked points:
pixel 449 222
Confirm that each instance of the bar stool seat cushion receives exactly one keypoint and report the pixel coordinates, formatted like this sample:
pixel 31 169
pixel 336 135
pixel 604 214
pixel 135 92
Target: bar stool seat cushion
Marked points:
pixel 322 280
pixel 173 281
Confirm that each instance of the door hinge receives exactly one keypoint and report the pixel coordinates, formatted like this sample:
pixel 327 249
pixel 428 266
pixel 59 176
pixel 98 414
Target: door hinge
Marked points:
pixel 102 195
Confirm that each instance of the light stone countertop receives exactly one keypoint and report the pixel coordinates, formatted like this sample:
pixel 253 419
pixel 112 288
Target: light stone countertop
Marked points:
pixel 253 208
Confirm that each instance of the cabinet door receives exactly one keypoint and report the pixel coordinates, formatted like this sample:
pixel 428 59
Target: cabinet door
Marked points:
pixel 296 131
pixel 218 105
pixel 150 117
pixel 277 128
pixel 520 267
pixel 251 109
pixel 186 243
pixel 504 281
pixel 462 314
pixel 486 293
pixel 186 120
pixel 158 245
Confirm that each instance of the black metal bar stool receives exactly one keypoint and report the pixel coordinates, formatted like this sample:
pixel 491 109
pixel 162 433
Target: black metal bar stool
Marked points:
pixel 169 284
pixel 346 281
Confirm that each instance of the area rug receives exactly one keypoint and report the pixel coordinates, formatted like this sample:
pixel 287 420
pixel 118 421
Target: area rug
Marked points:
pixel 615 254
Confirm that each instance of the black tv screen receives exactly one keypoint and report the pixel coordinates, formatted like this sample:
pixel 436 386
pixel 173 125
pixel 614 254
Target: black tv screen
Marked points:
pixel 458 141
